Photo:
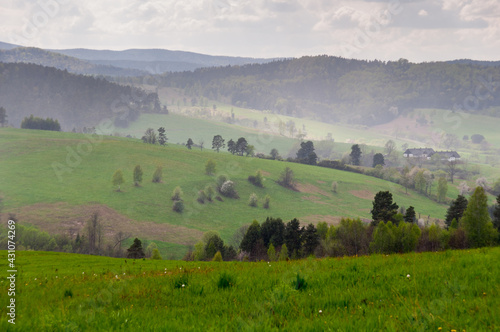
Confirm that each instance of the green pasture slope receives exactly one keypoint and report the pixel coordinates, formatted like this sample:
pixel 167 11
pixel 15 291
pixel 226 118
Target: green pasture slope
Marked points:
pixel 31 187
pixel 443 291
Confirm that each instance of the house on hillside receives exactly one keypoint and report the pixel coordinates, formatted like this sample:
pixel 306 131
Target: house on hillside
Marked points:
pixel 419 153
pixel 427 153
pixel 448 155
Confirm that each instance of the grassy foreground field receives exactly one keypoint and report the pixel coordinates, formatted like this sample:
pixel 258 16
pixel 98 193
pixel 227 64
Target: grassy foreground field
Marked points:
pixel 445 291
pixel 57 202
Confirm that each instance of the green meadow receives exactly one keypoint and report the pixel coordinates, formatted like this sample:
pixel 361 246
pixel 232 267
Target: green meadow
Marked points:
pixel 443 291
pixel 55 180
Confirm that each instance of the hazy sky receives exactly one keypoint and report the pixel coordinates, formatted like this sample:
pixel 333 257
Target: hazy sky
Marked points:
pixel 419 30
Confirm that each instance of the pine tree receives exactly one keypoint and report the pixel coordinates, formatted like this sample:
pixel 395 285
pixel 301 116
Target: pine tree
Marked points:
pixel 383 208
pixel 477 222
pixel 293 236
pixel 355 155
pixel 311 239
pixel 410 215
pixel 456 210
pixel 189 143
pixel 496 215
pixel 251 237
pixel 162 138
pixel 135 251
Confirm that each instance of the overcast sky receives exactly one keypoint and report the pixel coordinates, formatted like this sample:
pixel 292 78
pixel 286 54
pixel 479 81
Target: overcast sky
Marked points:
pixel 418 30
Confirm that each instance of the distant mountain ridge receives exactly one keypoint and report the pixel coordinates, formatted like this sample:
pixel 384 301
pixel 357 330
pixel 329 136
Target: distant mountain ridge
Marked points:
pixel 74 65
pixel 138 62
pixel 157 61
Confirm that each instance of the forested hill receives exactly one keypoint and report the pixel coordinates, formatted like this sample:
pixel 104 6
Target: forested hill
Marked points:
pixel 60 61
pixel 334 89
pixel 74 100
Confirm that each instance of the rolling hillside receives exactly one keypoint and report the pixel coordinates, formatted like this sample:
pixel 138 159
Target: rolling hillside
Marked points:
pixel 56 180
pixel 74 100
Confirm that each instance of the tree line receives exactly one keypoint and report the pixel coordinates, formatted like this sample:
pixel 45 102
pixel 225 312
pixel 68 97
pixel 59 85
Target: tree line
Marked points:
pixel 39 123
pixel 335 89
pixel 75 100
pixel 389 232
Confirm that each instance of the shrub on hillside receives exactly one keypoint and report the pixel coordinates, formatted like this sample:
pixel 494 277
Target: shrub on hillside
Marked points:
pixel 177 194
pixel 220 181
pixel 252 201
pixel 228 189
pixel 267 200
pixel 201 197
pixel 257 180
pixel 178 206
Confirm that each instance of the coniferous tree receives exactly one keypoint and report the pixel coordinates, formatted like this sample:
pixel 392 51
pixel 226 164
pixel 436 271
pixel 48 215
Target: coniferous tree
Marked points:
pixel 355 155
pixel 456 210
pixel 383 208
pixel 273 231
pixel 311 239
pixel 162 137
pixel 410 215
pixel 189 143
pixel 496 215
pixel 135 251
pixel 293 236
pixel 251 237
pixel 378 159
pixel 3 116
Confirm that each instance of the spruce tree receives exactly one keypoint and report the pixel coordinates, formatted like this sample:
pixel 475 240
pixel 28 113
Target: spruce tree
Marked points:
pixel 456 210
pixel 496 215
pixel 383 208
pixel 135 251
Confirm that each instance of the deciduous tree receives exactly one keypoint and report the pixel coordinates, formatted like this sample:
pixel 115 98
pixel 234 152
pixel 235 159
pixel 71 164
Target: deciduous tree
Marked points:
pixel 477 222
pixel 218 143
pixel 118 179
pixel 442 189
